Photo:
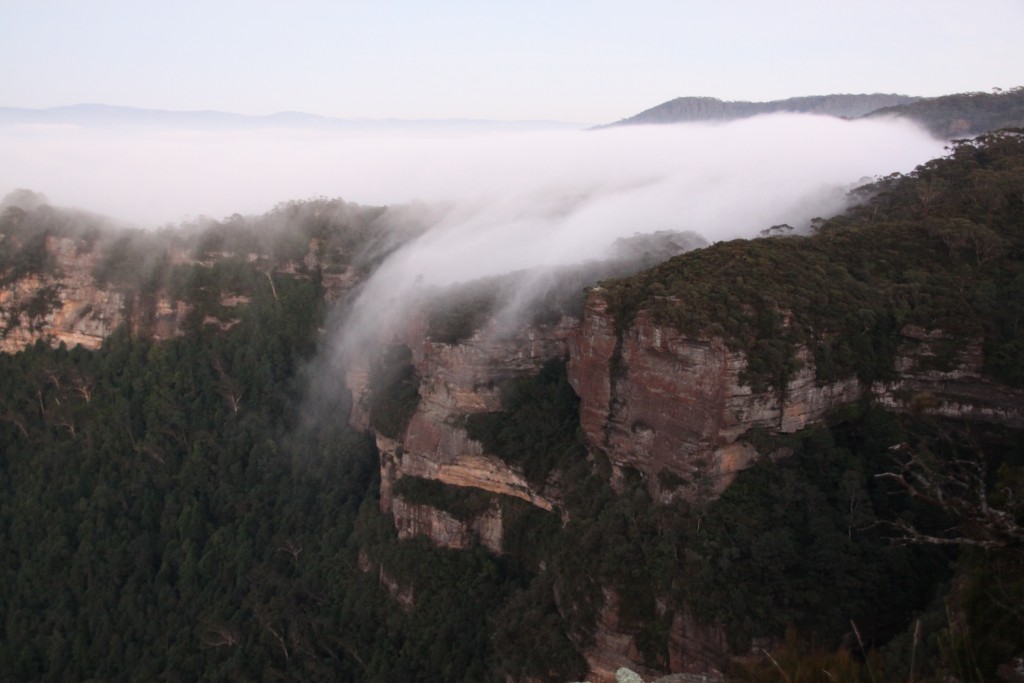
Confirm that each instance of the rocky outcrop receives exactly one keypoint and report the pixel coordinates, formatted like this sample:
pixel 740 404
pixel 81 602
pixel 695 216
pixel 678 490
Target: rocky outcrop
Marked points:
pixel 673 408
pixel 693 648
pixel 458 380
pixel 444 529
pixel 62 306
pixel 655 401
pixel 612 648
pixel 955 388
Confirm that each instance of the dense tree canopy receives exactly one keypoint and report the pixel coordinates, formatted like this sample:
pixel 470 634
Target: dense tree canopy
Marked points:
pixel 164 517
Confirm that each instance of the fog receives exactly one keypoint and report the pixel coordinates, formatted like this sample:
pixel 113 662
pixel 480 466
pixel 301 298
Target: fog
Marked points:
pixel 610 181
pixel 528 202
pixel 509 201
pixel 516 199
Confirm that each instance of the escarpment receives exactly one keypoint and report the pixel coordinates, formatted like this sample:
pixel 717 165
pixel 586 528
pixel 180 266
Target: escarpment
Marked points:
pixel 675 408
pixel 65 304
pixel 657 471
pixel 672 406
pixel 693 371
pixel 71 278
pixel 455 382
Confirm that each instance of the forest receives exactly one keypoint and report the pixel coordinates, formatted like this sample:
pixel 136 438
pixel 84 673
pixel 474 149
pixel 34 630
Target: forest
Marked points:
pixel 169 513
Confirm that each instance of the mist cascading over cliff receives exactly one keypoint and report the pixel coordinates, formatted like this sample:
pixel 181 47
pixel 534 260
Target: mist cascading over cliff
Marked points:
pixel 533 202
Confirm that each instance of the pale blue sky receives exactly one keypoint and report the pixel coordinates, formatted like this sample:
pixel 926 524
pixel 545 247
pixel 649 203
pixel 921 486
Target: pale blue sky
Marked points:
pixel 592 61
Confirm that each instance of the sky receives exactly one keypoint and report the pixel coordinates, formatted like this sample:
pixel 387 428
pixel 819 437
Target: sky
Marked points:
pixel 590 62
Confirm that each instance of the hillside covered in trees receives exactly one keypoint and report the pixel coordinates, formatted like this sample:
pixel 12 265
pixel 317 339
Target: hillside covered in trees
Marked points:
pixel 964 114
pixel 688 109
pixel 170 512
pixel 946 117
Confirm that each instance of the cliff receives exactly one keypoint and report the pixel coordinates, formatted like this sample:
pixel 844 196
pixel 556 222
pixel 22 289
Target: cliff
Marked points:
pixel 681 368
pixel 674 407
pixel 65 305
pixel 71 278
pixel 457 381
pixel 613 514
pixel 653 400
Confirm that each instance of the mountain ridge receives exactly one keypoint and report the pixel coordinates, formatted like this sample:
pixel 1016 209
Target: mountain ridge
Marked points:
pixel 94 114
pixel 947 116
pixel 689 109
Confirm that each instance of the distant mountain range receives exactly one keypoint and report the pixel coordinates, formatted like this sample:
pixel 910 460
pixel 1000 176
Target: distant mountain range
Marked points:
pixel 948 116
pixel 105 116
pixel 688 109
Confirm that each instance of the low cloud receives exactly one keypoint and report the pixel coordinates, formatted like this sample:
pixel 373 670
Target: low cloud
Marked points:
pixel 722 178
pixel 515 200
pixel 530 202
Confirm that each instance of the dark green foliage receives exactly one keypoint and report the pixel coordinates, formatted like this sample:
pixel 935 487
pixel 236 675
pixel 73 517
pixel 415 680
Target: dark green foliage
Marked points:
pixel 155 522
pixel 29 258
pixel 26 228
pixel 530 636
pixel 989 628
pixel 445 633
pixel 963 114
pixel 461 311
pixel 537 428
pixel 798 543
pixel 940 249
pixel 133 259
pixel 43 301
pixel 161 520
pixel 460 502
pixel 394 391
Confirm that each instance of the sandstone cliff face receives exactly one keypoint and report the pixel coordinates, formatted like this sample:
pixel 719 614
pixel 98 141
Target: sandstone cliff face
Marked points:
pixel 659 402
pixel 444 529
pixel 693 648
pixel 459 380
pixel 75 311
pixel 612 648
pixel 66 305
pixel 961 391
pixel 653 400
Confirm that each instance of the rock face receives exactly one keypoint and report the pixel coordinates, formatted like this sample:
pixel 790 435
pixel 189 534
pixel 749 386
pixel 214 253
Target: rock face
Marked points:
pixel 69 307
pixel 458 380
pixel 612 649
pixel 673 408
pixel 655 401
pixel 65 304
pixel 446 530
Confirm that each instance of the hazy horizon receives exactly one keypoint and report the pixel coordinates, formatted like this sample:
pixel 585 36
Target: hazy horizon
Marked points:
pixel 573 61
pixel 151 177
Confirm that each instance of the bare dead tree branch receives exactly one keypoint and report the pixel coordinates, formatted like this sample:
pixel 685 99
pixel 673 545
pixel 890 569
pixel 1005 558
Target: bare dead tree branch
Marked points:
pixel 958 487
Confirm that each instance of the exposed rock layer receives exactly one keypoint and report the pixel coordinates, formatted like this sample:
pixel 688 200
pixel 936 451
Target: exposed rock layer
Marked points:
pixel 65 304
pixel 456 381
pixel 658 401
pixel 78 312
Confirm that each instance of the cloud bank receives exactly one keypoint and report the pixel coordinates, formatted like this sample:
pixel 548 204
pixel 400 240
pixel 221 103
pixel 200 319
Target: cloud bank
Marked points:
pixel 719 177
pixel 533 201
pixel 511 200
pixel 516 199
